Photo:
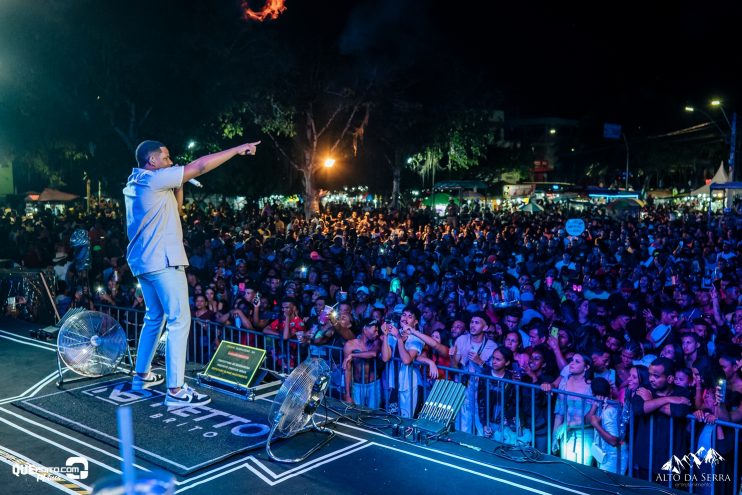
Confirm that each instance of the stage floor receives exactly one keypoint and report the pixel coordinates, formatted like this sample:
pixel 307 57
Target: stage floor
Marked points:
pixel 357 460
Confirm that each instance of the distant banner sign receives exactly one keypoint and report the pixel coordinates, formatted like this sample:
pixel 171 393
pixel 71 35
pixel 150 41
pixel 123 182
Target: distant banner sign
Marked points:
pixel 575 226
pixel 517 190
pixel 235 363
pixel 611 131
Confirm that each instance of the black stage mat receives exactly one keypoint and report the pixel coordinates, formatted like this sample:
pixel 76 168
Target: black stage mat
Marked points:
pixel 181 440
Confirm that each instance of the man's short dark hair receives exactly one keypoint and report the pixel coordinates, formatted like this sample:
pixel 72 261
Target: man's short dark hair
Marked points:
pixel 541 329
pixel 373 323
pixel 702 322
pixel 145 150
pixel 413 309
pixel 668 366
pixel 669 307
pixel 290 300
pixel 482 315
pixel 514 312
pixel 616 335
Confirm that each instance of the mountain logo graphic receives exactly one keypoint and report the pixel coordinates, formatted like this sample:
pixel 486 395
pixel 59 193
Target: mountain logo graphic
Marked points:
pixel 676 464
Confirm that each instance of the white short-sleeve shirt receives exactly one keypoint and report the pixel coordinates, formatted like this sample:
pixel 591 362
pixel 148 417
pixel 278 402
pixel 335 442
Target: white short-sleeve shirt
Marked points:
pixel 152 220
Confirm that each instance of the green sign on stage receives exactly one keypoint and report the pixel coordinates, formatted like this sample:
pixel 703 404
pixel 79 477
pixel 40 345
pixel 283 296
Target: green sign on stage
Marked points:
pixel 234 364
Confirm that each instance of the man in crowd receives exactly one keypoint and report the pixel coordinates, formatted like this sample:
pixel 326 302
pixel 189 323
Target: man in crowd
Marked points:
pixel 655 409
pixel 398 342
pixel 362 368
pixel 470 352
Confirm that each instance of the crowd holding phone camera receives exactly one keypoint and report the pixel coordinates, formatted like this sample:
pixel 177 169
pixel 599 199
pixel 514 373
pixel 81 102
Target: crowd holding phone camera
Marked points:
pixel 609 301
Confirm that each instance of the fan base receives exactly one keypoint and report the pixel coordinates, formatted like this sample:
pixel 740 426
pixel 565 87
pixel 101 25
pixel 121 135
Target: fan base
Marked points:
pixel 313 427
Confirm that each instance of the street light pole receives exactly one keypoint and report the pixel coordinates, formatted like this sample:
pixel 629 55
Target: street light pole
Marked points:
pixel 733 147
pixel 732 137
pixel 708 116
pixel 717 103
pixel 733 132
pixel 626 142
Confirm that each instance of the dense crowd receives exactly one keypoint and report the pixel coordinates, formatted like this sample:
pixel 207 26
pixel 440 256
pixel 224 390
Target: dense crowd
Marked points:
pixel 643 310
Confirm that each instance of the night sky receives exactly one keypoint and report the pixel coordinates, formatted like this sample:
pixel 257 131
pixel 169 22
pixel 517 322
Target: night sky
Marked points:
pixel 635 63
pixel 631 59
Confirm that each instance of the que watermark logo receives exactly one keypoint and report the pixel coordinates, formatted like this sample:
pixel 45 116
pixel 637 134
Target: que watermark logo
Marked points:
pixel 75 468
pixel 704 472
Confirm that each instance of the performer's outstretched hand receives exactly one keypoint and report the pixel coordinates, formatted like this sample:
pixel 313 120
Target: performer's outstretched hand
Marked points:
pixel 249 148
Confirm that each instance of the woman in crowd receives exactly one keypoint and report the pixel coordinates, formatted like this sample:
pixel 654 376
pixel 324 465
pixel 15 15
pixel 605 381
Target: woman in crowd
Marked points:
pixel 571 434
pixel 673 352
pixel 212 304
pixel 514 343
pixel 202 317
pixel 498 400
pixel 542 371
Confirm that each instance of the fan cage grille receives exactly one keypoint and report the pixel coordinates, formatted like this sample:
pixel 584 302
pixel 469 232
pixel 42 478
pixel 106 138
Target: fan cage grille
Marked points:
pixel 289 406
pixel 91 343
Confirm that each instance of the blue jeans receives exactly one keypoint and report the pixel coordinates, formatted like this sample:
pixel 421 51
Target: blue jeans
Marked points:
pixel 166 296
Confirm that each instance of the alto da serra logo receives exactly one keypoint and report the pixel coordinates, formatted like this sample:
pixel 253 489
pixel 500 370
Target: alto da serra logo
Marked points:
pixel 676 464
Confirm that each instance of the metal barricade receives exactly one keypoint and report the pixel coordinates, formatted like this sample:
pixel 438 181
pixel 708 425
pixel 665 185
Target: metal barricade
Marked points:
pixel 409 387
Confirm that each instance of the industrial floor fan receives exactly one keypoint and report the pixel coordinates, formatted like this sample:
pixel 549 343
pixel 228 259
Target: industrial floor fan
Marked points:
pixel 295 404
pixel 91 344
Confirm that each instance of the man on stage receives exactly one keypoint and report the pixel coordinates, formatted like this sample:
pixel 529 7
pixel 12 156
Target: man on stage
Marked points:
pixel 154 197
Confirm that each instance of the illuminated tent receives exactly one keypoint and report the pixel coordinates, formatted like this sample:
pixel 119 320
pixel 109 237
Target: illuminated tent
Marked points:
pixel 456 185
pixel 51 195
pixel 531 207
pixel 439 198
pixel 472 196
pixel 720 177
pixel 463 190
pixel 625 204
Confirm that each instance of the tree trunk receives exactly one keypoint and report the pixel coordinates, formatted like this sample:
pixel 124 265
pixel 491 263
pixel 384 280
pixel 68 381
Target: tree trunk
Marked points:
pixel 396 179
pixel 311 197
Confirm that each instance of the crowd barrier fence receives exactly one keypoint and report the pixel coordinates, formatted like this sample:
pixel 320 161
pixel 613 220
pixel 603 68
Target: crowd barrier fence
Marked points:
pixel 530 401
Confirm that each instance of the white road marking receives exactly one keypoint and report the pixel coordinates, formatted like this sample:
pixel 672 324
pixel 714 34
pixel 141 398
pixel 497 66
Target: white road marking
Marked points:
pixel 29 339
pixel 33 389
pixel 51 349
pixel 461 468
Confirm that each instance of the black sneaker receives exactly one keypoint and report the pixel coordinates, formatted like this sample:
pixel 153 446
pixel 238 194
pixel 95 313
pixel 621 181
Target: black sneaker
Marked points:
pixel 151 380
pixel 186 396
